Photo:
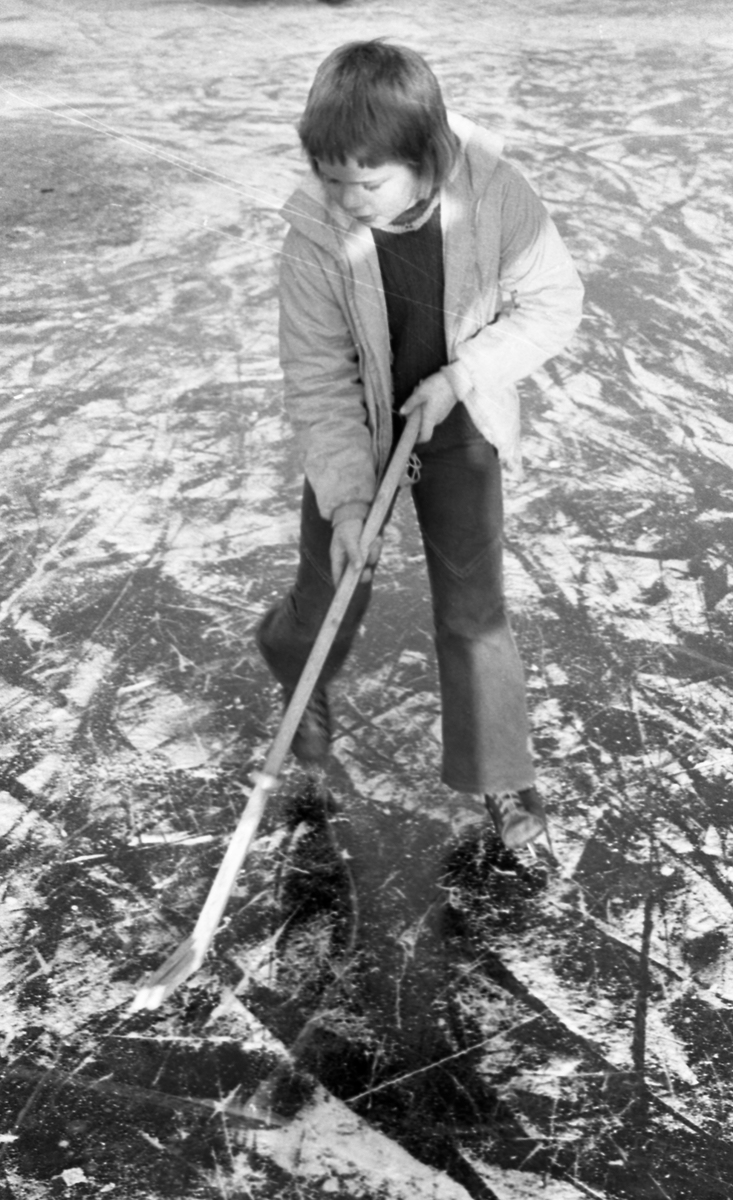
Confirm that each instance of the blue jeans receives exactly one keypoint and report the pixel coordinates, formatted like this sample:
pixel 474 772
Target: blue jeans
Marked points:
pixel 458 500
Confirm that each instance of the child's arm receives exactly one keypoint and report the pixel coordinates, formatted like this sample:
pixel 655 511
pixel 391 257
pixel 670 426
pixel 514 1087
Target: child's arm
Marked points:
pixel 324 394
pixel 536 270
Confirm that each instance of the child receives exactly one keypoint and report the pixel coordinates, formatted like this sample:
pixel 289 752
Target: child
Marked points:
pixel 420 271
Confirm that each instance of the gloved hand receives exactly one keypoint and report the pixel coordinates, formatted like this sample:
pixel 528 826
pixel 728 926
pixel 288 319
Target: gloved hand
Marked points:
pixel 435 397
pixel 345 549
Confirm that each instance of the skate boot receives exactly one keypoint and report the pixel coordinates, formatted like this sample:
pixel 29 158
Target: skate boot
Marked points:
pixel 313 735
pixel 519 817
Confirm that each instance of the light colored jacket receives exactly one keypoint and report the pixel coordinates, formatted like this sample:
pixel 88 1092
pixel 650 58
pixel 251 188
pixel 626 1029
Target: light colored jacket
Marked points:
pixel 503 259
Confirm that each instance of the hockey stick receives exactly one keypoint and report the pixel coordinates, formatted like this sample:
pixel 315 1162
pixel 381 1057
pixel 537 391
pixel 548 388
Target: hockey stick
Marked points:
pixel 191 952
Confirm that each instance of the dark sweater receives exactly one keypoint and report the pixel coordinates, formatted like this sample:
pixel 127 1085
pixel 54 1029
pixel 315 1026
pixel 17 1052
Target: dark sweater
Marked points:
pixel 411 264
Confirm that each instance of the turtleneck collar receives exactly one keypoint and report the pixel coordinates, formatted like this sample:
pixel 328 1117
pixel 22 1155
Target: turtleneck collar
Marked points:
pixel 414 217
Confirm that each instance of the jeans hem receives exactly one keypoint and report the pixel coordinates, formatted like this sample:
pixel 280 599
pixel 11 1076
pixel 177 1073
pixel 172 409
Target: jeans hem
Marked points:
pixel 489 789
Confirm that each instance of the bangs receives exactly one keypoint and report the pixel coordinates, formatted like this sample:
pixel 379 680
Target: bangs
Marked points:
pixel 368 131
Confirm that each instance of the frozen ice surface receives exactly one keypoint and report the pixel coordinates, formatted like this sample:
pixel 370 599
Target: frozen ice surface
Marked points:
pixel 565 1044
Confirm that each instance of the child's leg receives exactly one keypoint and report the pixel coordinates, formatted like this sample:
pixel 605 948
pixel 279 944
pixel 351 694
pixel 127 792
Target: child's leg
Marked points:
pixel 459 506
pixel 288 631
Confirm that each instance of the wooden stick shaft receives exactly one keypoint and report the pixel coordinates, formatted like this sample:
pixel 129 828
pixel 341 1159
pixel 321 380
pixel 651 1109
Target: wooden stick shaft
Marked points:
pixel 188 957
pixel 243 835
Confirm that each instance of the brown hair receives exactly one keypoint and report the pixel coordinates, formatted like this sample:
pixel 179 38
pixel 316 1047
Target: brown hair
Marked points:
pixel 377 103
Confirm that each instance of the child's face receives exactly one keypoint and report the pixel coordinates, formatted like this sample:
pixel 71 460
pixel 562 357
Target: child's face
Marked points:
pixel 373 195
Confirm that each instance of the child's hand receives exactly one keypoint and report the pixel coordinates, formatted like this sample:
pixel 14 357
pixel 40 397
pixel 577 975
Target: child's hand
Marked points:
pixel 435 398
pixel 345 549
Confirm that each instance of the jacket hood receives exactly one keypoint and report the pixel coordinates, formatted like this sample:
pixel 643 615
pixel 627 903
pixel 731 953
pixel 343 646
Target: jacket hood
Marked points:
pixel 308 210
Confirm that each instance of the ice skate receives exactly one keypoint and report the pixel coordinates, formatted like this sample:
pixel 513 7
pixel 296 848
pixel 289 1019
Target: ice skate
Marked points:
pixel 313 736
pixel 519 817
